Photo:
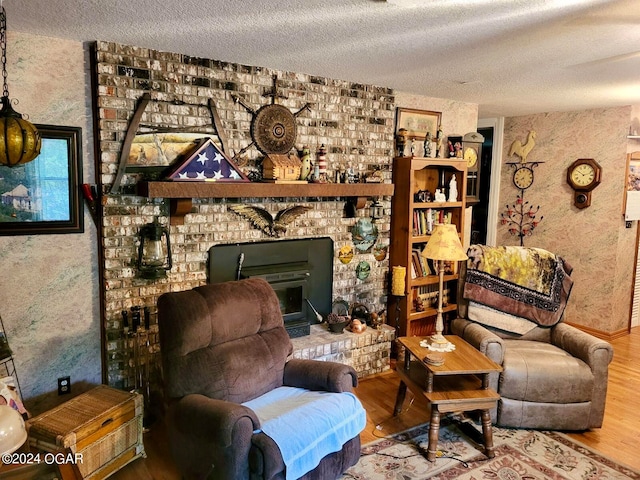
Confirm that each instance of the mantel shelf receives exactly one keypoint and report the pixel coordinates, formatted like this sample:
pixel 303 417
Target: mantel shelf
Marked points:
pixel 262 190
pixel 182 193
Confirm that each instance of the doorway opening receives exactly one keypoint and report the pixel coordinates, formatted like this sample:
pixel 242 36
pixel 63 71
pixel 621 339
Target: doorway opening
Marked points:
pixel 480 213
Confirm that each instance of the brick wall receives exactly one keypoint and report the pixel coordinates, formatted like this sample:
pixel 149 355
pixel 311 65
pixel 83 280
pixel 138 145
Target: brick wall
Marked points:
pixel 355 122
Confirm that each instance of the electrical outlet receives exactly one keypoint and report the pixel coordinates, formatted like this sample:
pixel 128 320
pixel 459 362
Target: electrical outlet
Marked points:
pixel 64 385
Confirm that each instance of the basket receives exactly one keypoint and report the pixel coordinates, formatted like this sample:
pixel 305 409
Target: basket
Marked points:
pixel 338 327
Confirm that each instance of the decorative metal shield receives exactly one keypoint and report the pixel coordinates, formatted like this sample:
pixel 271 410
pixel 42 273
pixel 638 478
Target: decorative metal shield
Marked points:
pixel 273 129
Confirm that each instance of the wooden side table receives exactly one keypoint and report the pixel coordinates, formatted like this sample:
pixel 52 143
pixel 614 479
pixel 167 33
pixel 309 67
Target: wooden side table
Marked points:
pixel 461 384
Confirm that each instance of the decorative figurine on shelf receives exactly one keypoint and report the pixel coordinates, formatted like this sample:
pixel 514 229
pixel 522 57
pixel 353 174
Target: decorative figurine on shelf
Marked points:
pixel 422 196
pixel 418 304
pixel 340 174
pixel 439 137
pixel 452 152
pixel 440 196
pixel 453 189
pixel 458 148
pixel 305 168
pixel 401 142
pixel 322 164
pixel 351 175
pixel 427 145
pixel 412 148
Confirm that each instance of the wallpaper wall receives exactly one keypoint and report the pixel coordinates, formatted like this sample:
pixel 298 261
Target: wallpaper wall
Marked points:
pixel 593 240
pixel 49 284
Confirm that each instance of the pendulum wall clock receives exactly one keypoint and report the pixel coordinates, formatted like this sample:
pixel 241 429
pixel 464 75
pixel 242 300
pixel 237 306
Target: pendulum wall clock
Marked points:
pixel 583 176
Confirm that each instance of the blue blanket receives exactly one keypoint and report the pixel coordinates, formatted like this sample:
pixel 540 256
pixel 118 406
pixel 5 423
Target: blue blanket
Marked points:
pixel 308 425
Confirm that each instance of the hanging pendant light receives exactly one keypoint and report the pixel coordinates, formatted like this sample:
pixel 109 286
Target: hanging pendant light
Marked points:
pixel 20 141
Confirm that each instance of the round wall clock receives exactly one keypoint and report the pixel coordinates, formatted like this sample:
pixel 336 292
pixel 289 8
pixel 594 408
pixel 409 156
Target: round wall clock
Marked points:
pixel 583 176
pixel 523 177
pixel 471 156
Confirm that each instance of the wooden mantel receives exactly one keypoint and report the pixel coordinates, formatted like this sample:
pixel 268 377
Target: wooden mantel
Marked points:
pixel 183 193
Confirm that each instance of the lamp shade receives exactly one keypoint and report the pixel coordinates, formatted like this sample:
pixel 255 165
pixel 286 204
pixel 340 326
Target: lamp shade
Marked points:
pixel 12 430
pixel 20 141
pixel 444 244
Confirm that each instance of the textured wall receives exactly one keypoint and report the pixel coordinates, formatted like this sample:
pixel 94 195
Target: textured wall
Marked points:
pixel 457 118
pixel 593 240
pixel 49 286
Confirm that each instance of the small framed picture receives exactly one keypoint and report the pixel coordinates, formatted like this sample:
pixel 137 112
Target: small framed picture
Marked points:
pixel 631 199
pixel 417 122
pixel 43 196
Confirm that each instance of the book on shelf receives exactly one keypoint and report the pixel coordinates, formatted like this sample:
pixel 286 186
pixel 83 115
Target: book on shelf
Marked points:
pixel 424 263
pixel 428 294
pixel 415 263
pixel 425 219
pixel 420 264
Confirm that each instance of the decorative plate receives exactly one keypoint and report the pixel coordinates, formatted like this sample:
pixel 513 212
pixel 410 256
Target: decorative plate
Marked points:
pixel 345 254
pixel 364 234
pixel 380 252
pixel 363 270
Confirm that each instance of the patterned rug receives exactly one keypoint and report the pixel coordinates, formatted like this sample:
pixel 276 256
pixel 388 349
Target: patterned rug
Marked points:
pixel 520 455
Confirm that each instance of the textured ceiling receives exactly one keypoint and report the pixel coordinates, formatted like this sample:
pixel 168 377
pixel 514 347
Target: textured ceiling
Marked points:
pixel 511 57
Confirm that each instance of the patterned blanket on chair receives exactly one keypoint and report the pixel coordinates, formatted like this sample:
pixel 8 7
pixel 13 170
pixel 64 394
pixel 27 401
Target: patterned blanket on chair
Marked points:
pixel 526 282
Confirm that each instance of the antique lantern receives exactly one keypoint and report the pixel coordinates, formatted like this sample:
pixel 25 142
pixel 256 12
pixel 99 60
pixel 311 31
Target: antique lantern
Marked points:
pixel 154 251
pixel 376 210
pixel 20 141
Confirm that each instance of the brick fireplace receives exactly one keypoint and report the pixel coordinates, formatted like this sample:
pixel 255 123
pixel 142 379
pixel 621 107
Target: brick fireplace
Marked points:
pixel 354 121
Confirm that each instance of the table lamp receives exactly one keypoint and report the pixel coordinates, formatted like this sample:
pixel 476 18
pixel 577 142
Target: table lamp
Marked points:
pixel 444 245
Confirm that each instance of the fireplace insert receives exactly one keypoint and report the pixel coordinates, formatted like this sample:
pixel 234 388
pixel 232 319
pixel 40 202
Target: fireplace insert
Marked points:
pixel 300 272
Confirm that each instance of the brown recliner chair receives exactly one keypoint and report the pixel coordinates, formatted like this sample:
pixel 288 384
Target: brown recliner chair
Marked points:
pixel 553 377
pixel 222 345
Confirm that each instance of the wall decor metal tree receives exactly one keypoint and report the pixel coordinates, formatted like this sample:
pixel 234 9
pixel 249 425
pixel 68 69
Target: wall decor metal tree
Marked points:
pixel 520 217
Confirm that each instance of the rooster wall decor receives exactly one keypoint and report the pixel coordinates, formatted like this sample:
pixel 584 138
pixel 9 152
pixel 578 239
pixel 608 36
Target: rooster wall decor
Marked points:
pixel 522 150
pixel 262 219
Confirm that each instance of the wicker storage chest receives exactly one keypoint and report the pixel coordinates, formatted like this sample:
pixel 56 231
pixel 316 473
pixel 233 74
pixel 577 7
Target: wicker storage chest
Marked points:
pixel 104 425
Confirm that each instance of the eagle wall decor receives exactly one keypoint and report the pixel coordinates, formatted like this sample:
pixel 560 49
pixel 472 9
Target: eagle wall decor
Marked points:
pixel 262 219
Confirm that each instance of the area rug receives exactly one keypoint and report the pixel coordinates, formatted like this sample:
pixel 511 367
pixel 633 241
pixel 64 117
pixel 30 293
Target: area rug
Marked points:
pixel 519 455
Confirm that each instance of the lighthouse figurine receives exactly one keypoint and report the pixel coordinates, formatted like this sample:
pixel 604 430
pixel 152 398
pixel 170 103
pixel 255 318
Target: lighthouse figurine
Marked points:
pixel 322 164
pixel 305 168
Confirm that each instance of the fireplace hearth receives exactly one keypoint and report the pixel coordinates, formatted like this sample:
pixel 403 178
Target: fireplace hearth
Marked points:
pixel 300 272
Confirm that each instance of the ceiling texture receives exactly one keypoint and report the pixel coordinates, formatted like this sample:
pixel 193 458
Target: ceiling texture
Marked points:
pixel 511 57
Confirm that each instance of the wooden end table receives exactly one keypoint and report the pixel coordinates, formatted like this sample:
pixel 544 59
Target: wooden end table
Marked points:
pixel 461 384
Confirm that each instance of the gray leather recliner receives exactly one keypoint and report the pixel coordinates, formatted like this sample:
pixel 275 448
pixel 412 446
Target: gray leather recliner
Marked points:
pixel 553 377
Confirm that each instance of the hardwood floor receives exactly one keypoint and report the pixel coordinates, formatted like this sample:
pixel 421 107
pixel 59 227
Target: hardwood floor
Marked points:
pixel 618 438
